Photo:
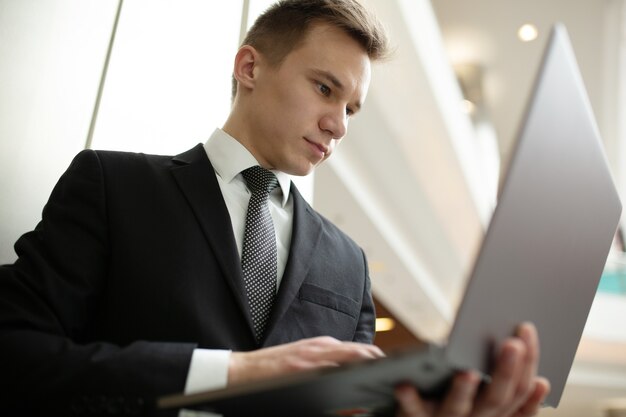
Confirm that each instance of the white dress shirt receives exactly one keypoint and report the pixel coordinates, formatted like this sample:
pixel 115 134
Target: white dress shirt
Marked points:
pixel 209 367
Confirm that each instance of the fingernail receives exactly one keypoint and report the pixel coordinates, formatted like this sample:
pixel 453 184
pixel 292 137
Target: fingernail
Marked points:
pixel 510 355
pixel 403 392
pixel 471 380
pixel 526 331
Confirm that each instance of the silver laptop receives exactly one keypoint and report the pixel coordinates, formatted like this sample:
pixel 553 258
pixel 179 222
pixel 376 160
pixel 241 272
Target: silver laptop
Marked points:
pixel 540 261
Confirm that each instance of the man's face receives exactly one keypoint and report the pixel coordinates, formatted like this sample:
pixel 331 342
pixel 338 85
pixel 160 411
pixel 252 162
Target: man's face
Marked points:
pixel 301 108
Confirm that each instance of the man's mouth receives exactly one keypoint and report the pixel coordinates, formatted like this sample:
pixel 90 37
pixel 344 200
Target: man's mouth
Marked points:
pixel 322 148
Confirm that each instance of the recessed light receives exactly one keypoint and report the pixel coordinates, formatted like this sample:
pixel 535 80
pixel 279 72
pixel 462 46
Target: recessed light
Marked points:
pixel 385 324
pixel 527 32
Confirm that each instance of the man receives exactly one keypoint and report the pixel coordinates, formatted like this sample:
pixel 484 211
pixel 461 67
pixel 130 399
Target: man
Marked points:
pixel 144 276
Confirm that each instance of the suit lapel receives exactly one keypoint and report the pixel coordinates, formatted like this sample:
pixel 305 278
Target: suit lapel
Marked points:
pixel 196 178
pixel 305 237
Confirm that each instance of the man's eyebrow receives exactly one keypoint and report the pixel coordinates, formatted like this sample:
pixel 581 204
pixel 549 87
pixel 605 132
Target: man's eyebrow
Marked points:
pixel 329 77
pixel 335 82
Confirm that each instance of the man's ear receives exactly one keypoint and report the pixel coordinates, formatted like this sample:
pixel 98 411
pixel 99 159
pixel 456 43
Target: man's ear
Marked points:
pixel 246 61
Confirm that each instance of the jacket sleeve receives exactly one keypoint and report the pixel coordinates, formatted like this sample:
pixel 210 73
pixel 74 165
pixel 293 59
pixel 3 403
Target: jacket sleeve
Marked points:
pixel 48 360
pixel 365 330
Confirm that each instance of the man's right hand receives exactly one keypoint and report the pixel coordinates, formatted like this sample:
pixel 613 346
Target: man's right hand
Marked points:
pixel 306 354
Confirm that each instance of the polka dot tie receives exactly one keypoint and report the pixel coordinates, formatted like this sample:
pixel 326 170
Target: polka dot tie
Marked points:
pixel 258 258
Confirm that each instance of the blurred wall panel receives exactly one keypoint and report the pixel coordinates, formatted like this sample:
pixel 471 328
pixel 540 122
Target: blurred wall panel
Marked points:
pixel 51 58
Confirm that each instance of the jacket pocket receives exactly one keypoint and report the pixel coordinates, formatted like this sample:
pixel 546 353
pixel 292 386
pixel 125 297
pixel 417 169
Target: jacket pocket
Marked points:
pixel 329 299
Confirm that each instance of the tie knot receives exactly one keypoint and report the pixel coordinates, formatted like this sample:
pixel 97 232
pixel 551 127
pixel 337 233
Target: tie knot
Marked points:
pixel 260 179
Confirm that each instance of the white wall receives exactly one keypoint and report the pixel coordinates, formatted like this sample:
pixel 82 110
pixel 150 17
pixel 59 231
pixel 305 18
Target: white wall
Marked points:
pixel 51 56
pixel 168 83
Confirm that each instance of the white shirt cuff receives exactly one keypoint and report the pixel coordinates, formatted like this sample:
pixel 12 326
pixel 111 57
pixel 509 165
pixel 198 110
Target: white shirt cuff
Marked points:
pixel 208 370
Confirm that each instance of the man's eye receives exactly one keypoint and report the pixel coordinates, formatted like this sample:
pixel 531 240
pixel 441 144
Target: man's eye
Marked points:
pixel 324 89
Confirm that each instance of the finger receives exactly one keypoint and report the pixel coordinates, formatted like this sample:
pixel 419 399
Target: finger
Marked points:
pixel 536 398
pixel 410 404
pixel 459 401
pixel 298 364
pixel 373 350
pixel 528 333
pixel 330 344
pixel 348 354
pixel 337 352
pixel 500 392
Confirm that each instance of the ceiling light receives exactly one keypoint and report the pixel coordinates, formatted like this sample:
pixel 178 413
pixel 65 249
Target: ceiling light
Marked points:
pixel 527 32
pixel 377 266
pixel 385 324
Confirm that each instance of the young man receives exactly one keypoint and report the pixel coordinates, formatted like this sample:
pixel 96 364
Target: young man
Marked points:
pixel 145 272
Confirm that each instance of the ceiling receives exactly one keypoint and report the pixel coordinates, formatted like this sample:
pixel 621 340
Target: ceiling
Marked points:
pixel 484 32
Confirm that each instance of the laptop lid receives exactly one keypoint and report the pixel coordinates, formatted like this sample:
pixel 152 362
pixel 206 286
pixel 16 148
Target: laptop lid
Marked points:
pixel 547 243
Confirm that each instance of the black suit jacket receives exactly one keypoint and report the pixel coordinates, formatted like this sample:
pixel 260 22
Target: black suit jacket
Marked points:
pixel 134 265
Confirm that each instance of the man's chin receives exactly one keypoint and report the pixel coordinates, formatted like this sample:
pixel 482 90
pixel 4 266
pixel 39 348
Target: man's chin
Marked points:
pixel 303 171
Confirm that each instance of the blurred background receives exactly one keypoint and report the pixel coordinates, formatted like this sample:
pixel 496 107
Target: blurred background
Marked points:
pixel 414 182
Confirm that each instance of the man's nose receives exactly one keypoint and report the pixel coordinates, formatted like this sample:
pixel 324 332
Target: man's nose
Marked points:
pixel 335 123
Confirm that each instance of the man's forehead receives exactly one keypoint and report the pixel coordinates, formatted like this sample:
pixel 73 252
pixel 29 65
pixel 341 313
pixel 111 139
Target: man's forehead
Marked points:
pixel 332 53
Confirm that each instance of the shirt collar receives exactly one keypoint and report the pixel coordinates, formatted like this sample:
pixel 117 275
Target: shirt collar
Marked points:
pixel 229 158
